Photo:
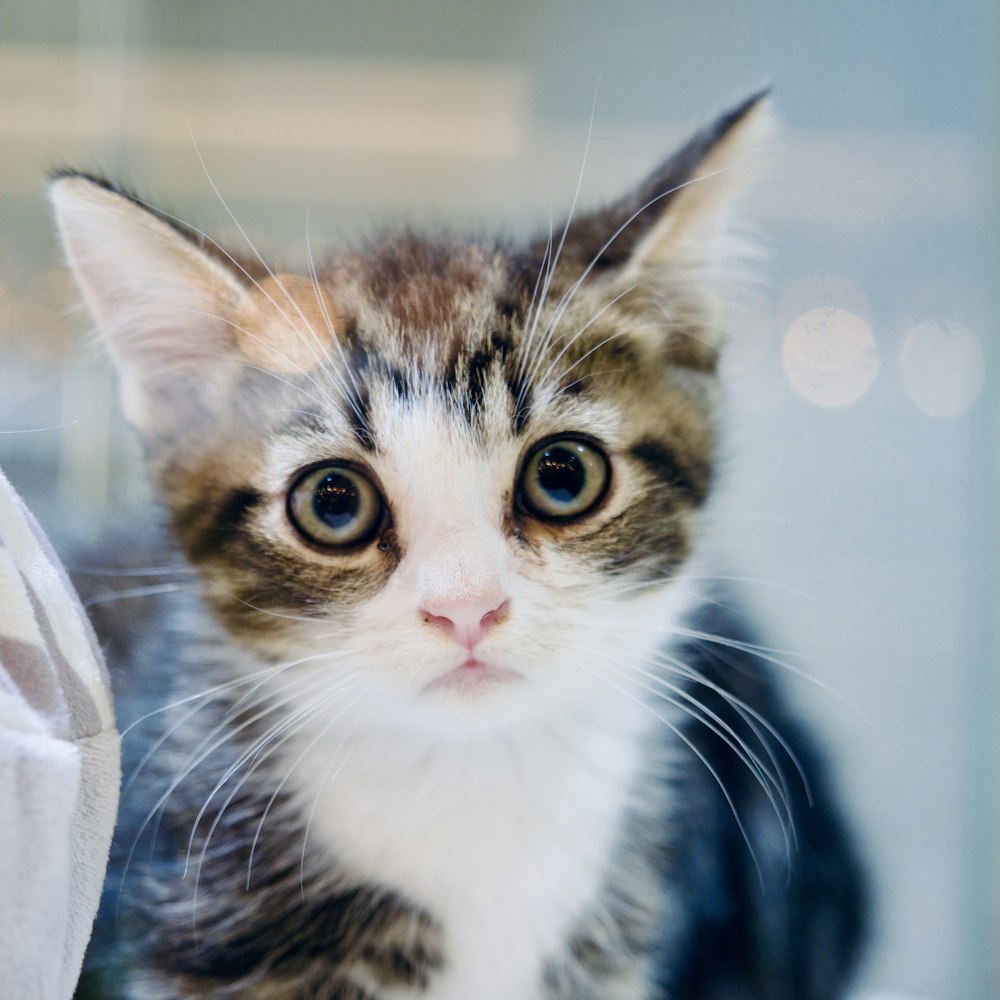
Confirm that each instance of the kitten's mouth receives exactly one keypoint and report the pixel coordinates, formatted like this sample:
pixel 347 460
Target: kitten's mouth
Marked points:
pixel 474 677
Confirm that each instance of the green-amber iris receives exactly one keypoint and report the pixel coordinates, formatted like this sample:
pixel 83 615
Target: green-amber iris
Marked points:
pixel 564 479
pixel 336 506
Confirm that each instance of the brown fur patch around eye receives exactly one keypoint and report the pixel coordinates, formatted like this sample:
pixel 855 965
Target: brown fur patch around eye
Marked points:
pixel 287 324
pixel 689 478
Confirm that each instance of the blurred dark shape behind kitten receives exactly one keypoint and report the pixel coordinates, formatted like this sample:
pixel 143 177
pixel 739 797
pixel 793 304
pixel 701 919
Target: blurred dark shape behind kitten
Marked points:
pixel 455 717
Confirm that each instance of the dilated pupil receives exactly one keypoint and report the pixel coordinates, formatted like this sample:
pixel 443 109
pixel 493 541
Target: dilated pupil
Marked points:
pixel 336 501
pixel 561 474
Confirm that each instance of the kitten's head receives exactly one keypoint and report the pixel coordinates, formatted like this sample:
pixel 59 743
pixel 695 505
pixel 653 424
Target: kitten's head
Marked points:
pixel 461 473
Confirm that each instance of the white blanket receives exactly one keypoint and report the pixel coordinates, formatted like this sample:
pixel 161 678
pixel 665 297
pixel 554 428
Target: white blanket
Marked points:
pixel 59 766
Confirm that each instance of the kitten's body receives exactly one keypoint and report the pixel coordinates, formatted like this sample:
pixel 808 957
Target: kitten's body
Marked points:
pixel 479 749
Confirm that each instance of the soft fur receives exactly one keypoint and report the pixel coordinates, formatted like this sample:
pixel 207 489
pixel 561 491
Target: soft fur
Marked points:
pixel 609 802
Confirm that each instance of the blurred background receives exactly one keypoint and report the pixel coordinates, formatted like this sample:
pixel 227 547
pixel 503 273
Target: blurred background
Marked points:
pixel 859 503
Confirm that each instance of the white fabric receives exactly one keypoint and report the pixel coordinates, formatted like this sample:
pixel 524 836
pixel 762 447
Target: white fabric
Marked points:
pixel 59 766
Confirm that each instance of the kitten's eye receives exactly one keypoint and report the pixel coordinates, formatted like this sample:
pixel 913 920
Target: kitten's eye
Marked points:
pixel 336 506
pixel 564 479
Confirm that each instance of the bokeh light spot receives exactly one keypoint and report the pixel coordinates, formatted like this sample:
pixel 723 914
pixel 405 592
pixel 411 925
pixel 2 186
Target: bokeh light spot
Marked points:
pixel 943 367
pixel 830 356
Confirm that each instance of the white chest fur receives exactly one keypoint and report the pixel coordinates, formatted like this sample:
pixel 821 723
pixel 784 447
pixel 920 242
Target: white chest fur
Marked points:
pixel 503 841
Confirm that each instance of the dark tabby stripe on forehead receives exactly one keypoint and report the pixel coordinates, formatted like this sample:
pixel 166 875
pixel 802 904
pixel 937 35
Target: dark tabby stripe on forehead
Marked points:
pixel 477 370
pixel 400 381
pixel 463 379
pixel 514 376
pixel 357 398
pixel 357 411
pixel 468 373
pixel 366 366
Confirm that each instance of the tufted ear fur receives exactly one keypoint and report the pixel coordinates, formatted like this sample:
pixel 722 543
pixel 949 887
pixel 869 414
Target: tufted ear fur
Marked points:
pixel 669 237
pixel 182 320
pixel 703 180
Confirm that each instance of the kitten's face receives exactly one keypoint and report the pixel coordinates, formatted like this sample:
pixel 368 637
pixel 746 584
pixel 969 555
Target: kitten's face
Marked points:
pixel 474 515
pixel 460 476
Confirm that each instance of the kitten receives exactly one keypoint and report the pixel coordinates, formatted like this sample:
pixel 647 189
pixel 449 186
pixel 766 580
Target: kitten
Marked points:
pixel 455 718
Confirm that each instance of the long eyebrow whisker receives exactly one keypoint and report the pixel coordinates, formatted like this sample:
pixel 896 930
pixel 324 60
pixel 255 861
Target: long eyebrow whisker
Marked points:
pixel 253 249
pixel 349 395
pixel 531 319
pixel 543 380
pixel 554 257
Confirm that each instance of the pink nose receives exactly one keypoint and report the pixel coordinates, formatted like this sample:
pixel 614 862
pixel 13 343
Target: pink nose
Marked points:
pixel 465 621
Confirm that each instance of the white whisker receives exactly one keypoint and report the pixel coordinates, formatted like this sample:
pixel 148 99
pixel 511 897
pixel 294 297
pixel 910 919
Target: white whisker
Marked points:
pixel 348 394
pixel 131 571
pixel 554 257
pixel 149 591
pixel 690 705
pixel 570 293
pixel 254 755
pixel 694 749
pixel 277 791
pixel 543 380
pixel 324 784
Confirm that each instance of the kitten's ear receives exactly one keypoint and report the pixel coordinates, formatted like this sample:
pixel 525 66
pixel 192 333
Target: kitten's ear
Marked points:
pixel 163 305
pixel 690 197
pixel 672 229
